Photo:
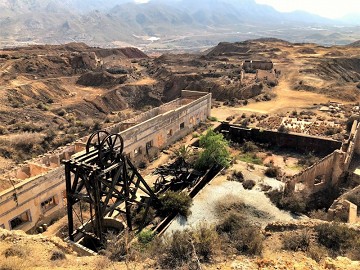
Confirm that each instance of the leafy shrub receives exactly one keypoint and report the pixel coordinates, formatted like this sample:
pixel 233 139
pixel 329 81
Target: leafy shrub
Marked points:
pixel 249 184
pixel 212 118
pixel 175 202
pixel 297 241
pixel 215 151
pixel 145 237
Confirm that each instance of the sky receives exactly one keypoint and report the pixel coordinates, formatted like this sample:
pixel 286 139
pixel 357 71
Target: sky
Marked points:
pixel 325 8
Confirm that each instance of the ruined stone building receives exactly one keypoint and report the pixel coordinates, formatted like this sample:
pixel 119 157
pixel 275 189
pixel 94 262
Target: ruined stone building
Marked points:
pixel 39 193
pixel 253 65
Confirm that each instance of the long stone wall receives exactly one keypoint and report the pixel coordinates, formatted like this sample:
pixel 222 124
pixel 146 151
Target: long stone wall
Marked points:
pixel 324 173
pixel 298 142
pixel 39 186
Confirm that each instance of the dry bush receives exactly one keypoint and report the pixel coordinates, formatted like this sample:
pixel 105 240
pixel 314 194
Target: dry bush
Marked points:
pixel 13 263
pixel 283 129
pixel 273 171
pixel 3 130
pixel 139 217
pixel 177 250
pixel 228 204
pixel 338 238
pixel 25 140
pixel 316 252
pixel 318 214
pixel 295 203
pixel 120 249
pixel 206 242
pixel 183 248
pixel 15 251
pixel 297 241
pixel 237 176
pixel 101 262
pixel 249 184
pixel 249 147
pixel 308 160
pixel 57 255
pixel 242 235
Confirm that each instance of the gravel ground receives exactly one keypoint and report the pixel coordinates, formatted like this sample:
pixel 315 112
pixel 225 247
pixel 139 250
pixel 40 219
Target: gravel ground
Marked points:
pixel 259 208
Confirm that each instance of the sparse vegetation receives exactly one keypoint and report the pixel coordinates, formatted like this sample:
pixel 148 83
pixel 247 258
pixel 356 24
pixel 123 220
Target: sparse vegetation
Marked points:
pixel 249 184
pixel 57 255
pixel 250 158
pixel 243 236
pixel 338 238
pixel 283 129
pixel 15 251
pixel 145 236
pixel 273 171
pixel 297 240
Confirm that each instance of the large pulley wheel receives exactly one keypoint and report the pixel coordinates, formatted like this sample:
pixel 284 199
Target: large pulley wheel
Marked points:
pixel 95 140
pixel 110 148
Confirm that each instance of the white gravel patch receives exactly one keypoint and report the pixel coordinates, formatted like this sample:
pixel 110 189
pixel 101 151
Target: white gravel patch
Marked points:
pixel 260 210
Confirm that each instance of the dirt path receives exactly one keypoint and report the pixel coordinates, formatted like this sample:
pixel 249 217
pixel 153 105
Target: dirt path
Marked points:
pixel 144 81
pixel 286 100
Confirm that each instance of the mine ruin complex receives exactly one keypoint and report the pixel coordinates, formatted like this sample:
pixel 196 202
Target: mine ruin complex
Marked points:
pixel 105 162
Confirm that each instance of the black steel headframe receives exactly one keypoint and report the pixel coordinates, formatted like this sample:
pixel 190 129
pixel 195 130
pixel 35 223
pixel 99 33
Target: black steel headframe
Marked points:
pixel 102 182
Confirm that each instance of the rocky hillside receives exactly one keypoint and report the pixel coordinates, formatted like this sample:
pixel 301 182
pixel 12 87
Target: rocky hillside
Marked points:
pixel 180 23
pixel 19 251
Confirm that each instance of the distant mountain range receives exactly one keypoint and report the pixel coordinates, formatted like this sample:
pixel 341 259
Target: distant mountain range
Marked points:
pixel 179 22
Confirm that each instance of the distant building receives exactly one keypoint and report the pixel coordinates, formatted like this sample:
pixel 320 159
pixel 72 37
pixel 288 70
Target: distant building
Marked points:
pixel 252 65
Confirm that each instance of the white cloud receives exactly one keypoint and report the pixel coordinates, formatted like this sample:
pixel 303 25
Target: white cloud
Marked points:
pixel 326 8
pixel 141 1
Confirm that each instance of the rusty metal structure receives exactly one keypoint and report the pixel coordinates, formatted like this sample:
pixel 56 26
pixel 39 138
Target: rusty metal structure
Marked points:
pixel 102 182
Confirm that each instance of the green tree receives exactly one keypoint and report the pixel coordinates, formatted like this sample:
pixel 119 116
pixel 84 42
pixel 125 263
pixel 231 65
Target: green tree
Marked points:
pixel 215 151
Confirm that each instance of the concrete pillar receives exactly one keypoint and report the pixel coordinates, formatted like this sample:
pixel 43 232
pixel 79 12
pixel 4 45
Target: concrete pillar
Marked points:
pixel 338 166
pixel 352 211
pixel 357 137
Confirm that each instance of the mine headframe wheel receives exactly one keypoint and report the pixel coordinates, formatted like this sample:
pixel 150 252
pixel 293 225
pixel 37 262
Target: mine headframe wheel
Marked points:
pixel 95 139
pixel 110 148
